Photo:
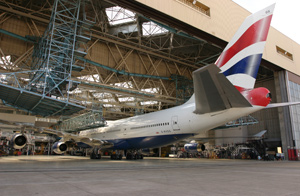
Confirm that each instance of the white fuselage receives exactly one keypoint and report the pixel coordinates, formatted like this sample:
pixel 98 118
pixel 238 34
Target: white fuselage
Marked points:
pixel 178 121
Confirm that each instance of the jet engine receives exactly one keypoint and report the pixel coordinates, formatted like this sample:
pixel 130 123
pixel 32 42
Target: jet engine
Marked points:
pixel 193 147
pixel 18 141
pixel 59 147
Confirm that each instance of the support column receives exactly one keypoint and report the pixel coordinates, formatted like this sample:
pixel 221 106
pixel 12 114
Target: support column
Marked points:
pixel 159 152
pixel 286 133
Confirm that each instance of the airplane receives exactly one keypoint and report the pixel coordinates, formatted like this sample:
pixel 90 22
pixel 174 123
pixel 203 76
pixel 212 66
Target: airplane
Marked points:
pixel 223 92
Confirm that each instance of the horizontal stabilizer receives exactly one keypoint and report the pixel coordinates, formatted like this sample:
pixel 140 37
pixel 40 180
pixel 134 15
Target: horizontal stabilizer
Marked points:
pixel 206 139
pixel 276 105
pixel 214 92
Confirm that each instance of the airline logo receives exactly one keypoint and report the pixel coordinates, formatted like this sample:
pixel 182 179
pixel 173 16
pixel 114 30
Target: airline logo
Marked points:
pixel 241 58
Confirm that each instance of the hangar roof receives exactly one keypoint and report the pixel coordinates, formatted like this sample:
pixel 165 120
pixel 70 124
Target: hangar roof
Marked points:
pixel 125 70
pixel 220 25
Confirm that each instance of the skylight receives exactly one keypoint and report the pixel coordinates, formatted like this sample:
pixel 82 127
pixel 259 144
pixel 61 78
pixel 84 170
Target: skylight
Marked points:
pixel 6 61
pixel 151 28
pixel 126 99
pixel 117 15
pixel 149 102
pixel 124 84
pixel 150 90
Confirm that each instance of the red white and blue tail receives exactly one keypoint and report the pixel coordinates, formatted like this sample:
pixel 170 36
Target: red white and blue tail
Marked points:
pixel 241 58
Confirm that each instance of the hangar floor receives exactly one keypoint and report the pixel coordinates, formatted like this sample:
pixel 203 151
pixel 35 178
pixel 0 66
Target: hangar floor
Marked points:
pixel 66 175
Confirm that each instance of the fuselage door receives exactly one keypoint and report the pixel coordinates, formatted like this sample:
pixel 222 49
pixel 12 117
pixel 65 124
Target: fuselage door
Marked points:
pixel 124 130
pixel 174 123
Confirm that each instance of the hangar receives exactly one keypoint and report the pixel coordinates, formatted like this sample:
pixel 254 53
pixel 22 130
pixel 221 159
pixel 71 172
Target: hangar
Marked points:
pixel 131 57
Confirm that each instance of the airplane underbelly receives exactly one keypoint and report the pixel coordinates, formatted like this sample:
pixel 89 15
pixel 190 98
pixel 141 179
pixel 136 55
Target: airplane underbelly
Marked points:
pixel 148 142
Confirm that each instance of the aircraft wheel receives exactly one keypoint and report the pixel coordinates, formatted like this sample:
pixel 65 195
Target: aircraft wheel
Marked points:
pixel 92 156
pixel 113 157
pixel 120 157
pixel 128 156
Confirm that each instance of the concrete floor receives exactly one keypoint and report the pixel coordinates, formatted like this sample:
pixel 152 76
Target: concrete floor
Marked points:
pixel 65 175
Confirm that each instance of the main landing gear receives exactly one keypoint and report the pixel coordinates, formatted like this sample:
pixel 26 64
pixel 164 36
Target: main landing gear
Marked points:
pixel 116 156
pixel 96 153
pixel 134 155
pixel 130 155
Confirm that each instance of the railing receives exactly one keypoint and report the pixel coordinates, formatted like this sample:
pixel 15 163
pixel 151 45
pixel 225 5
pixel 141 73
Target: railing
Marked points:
pixel 92 119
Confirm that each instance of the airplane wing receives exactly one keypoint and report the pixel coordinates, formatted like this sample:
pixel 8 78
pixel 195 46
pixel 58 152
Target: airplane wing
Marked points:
pixel 94 142
pixel 214 92
pixel 17 124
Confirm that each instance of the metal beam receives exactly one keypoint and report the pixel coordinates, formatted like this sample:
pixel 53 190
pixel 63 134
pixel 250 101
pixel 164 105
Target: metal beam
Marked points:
pixel 112 89
pixel 15 36
pixel 122 71
pixel 11 10
pixel 147 50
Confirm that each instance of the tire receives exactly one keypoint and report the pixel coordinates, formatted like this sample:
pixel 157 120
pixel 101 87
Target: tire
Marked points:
pixel 92 156
pixel 120 157
pixel 129 156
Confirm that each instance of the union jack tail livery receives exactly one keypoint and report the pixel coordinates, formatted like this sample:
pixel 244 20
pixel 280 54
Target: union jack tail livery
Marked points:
pixel 241 58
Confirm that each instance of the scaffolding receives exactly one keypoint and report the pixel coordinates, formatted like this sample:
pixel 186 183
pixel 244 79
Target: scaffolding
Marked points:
pixel 184 88
pixel 55 56
pixel 245 120
pixel 89 120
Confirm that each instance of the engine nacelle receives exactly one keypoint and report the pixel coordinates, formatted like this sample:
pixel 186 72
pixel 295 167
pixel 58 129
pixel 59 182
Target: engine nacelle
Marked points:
pixel 18 141
pixel 193 147
pixel 59 147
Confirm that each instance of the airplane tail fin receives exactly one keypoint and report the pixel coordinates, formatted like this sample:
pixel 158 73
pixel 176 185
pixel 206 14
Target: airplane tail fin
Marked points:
pixel 260 134
pixel 241 58
pixel 218 86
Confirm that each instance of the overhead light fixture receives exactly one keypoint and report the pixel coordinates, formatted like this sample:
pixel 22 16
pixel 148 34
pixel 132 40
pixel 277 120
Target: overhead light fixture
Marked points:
pixel 194 2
